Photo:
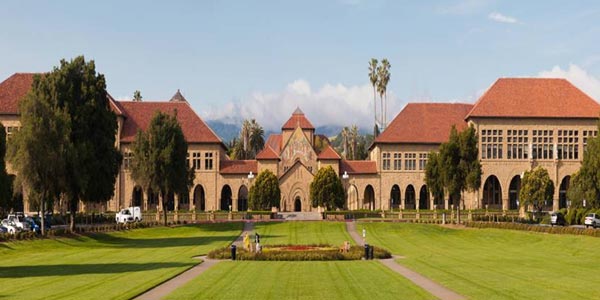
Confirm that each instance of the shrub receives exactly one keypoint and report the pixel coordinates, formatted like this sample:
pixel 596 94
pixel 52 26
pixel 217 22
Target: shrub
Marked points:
pixel 272 253
pixel 534 228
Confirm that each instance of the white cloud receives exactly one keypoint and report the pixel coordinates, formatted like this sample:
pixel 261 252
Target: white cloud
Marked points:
pixel 498 17
pixel 578 77
pixel 331 104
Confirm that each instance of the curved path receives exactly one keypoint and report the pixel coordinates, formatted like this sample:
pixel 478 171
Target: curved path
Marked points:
pixel 174 283
pixel 425 283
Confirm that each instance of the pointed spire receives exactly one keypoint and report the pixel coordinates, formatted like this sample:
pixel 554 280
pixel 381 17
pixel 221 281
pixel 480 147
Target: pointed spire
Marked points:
pixel 298 111
pixel 178 97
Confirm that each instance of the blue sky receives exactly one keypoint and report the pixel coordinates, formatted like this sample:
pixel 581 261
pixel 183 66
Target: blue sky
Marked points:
pixel 239 59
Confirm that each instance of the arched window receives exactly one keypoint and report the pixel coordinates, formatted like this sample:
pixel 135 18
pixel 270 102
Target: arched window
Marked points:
pixel 409 197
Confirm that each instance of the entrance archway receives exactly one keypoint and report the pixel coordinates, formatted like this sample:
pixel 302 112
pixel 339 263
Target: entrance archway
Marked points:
pixel 225 197
pixel 199 201
pixel 152 199
pixel 409 197
pixel 184 201
pixel 424 198
pixel 352 200
pixel 242 202
pixel 137 196
pixel 298 204
pixel 562 192
pixel 170 202
pixel 395 197
pixel 492 193
pixel 369 198
pixel 513 192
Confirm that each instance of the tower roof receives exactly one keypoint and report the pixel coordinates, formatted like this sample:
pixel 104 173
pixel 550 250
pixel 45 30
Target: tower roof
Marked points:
pixel 298 120
pixel 178 97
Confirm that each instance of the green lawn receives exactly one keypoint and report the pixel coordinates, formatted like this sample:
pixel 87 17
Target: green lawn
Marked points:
pixel 302 233
pixel 117 265
pixel 496 264
pixel 300 280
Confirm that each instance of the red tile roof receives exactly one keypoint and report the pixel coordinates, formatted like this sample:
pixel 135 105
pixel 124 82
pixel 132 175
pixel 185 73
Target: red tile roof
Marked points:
pixel 358 167
pixel 12 90
pixel 298 119
pixel 274 141
pixel 425 123
pixel 267 153
pixel 328 153
pixel 139 114
pixel 535 98
pixel 238 166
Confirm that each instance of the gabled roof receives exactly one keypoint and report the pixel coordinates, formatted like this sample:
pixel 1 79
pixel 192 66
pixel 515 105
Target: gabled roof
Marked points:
pixel 535 98
pixel 298 120
pixel 139 113
pixel 12 90
pixel 274 141
pixel 425 123
pixel 328 153
pixel 238 167
pixel 267 153
pixel 296 165
pixel 358 167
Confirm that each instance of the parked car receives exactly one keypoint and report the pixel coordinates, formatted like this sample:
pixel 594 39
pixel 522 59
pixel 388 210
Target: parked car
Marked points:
pixel 3 229
pixel 10 226
pixel 32 224
pixel 557 218
pixel 130 214
pixel 592 220
pixel 19 221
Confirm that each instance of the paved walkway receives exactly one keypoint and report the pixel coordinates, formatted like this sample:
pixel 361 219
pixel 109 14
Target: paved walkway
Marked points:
pixel 174 283
pixel 418 279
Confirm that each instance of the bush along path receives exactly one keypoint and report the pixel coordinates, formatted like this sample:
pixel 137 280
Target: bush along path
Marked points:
pixel 167 287
pixel 425 283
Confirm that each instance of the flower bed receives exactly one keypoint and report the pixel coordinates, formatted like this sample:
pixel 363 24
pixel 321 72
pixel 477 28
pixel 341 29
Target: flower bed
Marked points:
pixel 299 253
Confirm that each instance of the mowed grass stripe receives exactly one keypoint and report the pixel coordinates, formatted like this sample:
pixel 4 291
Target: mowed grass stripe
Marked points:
pixel 300 280
pixel 302 233
pixel 493 263
pixel 116 265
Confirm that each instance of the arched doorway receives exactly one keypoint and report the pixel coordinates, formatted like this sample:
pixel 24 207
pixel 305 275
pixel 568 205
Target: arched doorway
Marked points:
pixel 395 197
pixel 513 192
pixel 352 200
pixel 562 192
pixel 492 193
pixel 152 200
pixel 184 201
pixel 199 201
pixel 137 196
pixel 225 197
pixel 242 202
pixel 369 198
pixel 170 202
pixel 409 197
pixel 298 204
pixel 424 198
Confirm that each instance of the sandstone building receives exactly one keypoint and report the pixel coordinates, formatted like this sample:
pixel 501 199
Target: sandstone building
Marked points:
pixel 521 123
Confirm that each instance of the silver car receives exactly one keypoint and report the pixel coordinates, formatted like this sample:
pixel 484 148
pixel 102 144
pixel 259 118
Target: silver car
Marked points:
pixel 592 220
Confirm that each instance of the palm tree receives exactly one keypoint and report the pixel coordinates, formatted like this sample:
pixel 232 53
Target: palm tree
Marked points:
pixel 257 138
pixel 245 138
pixel 353 141
pixel 373 77
pixel 383 73
pixel 345 135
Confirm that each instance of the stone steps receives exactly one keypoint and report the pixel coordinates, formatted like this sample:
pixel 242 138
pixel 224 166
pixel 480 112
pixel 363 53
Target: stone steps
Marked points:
pixel 300 216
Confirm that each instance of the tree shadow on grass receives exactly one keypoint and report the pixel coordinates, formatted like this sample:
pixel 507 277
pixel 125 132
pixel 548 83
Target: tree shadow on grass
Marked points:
pixel 77 269
pixel 122 242
pixel 2 245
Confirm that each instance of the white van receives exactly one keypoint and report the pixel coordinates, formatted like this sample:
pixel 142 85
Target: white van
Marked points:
pixel 129 214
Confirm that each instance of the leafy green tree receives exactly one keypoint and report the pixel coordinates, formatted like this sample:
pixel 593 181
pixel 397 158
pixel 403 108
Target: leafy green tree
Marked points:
pixel 264 193
pixel 92 162
pixel 159 158
pixel 250 142
pixel 433 177
pixel 536 188
pixel 585 184
pixel 326 189
pixel 37 151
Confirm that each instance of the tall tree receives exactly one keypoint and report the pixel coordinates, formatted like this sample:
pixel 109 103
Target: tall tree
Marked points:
pixel 433 178
pixel 92 161
pixel 383 72
pixel 37 151
pixel 159 158
pixel 265 192
pixel 353 141
pixel 6 183
pixel 137 96
pixel 326 189
pixel 374 78
pixel 536 188
pixel 250 142
pixel 585 184
pixel 345 137
pixel 257 138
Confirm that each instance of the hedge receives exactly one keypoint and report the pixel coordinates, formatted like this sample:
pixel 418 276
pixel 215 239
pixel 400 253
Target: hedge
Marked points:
pixel 533 228
pixel 355 253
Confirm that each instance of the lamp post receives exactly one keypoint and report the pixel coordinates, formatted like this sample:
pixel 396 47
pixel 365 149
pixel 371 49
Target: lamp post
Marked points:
pixel 250 178
pixel 345 177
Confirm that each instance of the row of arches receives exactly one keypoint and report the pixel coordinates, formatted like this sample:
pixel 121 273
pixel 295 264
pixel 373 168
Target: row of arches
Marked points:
pixel 198 198
pixel 492 193
pixel 395 199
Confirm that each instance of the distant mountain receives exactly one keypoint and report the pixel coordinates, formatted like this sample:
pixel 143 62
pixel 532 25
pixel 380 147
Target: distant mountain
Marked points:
pixel 224 130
